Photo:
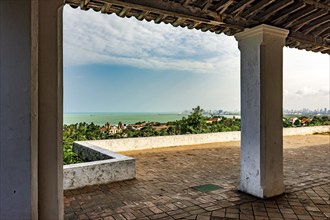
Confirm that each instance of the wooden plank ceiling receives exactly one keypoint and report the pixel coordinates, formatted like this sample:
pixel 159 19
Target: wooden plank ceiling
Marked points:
pixel 307 20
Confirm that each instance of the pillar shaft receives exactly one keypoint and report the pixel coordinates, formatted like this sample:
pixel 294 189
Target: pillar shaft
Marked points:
pixel 50 110
pixel 261 110
pixel 18 110
pixel 31 109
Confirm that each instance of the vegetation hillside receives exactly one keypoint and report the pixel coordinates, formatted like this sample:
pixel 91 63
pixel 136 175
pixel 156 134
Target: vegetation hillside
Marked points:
pixel 194 123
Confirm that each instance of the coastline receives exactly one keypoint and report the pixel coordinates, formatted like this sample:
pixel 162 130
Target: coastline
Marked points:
pixel 100 118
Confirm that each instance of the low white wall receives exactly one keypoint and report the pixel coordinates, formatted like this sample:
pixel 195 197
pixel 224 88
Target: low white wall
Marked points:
pixel 120 167
pixel 128 144
pixel 305 130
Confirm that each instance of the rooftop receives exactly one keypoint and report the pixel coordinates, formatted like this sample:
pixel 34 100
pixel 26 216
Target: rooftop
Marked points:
pixel 165 179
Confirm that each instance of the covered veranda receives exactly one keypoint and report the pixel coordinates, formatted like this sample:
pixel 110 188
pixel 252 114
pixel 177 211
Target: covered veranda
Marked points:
pixel 31 86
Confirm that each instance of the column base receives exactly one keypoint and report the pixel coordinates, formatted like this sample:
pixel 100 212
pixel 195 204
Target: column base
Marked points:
pixel 260 192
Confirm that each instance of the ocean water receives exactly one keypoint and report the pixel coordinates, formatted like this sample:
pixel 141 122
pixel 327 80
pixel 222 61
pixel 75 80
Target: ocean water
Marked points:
pixel 113 118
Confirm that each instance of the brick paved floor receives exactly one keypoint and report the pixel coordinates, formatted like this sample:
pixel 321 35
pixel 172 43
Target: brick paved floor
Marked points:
pixel 162 189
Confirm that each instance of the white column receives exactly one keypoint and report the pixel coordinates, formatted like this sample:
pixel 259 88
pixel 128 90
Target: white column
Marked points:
pixel 261 110
pixel 18 110
pixel 50 110
pixel 31 109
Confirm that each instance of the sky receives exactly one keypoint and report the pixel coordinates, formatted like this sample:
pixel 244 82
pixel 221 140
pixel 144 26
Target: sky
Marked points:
pixel 114 64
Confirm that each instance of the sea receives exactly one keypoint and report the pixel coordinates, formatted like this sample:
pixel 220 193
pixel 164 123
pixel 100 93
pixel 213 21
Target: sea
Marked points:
pixel 100 118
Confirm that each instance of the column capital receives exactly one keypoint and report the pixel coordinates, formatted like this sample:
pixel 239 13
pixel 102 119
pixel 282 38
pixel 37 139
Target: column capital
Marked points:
pixel 262 29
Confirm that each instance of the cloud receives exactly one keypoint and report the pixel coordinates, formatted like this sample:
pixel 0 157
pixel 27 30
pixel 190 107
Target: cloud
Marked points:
pixel 306 79
pixel 308 91
pixel 94 38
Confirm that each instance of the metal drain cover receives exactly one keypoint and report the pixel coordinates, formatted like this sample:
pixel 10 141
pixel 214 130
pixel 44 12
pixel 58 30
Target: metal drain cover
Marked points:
pixel 207 188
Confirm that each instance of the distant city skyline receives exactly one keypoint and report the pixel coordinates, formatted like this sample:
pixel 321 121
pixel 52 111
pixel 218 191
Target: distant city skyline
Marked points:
pixel 114 64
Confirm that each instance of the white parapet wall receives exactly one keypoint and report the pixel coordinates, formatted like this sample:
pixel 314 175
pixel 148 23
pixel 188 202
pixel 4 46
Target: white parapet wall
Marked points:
pixel 141 143
pixel 108 167
pixel 129 144
pixel 305 130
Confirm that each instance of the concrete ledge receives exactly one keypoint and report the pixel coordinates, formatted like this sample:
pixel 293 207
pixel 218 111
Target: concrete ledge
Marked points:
pixel 109 167
pixel 305 130
pixel 129 144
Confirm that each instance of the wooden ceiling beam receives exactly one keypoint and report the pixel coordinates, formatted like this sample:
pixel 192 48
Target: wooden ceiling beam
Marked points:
pixel 123 12
pixel 193 25
pixel 239 6
pixel 308 39
pixel 323 49
pixel 219 5
pixel 178 22
pixel 207 4
pixel 319 4
pixel 321 29
pixel 105 8
pixel 170 8
pixel 286 11
pixel 297 15
pixel 206 28
pixel 219 30
pixel 326 51
pixel 253 10
pixel 226 6
pixel 83 5
pixel 264 16
pixel 143 15
pixel 186 2
pixel 326 36
pixel 313 25
pixel 302 22
pixel 159 19
pixel 222 6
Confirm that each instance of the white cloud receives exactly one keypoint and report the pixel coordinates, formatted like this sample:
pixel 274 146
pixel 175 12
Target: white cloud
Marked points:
pixel 308 91
pixel 306 79
pixel 94 38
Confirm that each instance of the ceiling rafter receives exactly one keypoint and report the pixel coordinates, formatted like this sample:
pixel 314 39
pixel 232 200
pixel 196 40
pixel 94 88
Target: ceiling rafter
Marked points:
pixel 296 16
pixel 170 8
pixel 240 6
pixel 264 16
pixel 225 6
pixel 207 4
pixel 193 25
pixel 253 10
pixel 286 11
pixel 105 8
pixel 311 26
pixel 124 11
pixel 222 6
pixel 302 22
pixel 321 29
pixel 83 4
pixel 319 4
pixel 159 18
